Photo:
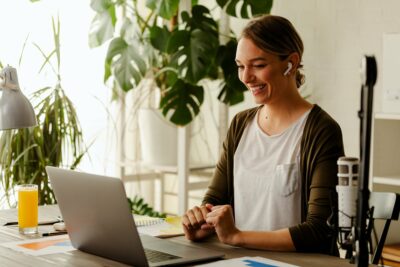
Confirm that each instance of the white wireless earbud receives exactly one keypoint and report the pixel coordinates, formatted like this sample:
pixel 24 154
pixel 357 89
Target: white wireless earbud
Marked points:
pixel 289 67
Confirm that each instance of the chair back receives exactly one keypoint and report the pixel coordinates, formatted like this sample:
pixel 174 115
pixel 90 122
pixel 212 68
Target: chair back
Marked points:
pixel 386 207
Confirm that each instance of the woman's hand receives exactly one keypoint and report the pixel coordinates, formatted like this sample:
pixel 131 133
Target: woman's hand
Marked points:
pixel 221 218
pixel 194 223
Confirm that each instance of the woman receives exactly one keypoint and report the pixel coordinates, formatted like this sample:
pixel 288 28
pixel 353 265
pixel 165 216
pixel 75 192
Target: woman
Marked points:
pixel 273 185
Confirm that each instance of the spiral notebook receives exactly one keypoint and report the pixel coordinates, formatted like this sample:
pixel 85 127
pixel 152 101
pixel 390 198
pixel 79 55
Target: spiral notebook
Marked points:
pixel 159 227
pixel 143 220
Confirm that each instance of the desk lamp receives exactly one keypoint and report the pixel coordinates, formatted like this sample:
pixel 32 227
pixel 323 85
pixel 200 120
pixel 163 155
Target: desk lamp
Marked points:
pixel 15 109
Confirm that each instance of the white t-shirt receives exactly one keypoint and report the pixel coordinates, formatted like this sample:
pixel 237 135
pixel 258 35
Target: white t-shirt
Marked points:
pixel 267 182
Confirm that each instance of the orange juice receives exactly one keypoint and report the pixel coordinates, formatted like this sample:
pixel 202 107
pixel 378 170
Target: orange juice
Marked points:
pixel 28 209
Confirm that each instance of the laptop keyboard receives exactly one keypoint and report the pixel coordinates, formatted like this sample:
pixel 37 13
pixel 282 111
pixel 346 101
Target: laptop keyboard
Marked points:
pixel 157 256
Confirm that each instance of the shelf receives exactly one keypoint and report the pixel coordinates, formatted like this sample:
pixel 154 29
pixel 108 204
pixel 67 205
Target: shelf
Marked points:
pixel 387 116
pixel 388 180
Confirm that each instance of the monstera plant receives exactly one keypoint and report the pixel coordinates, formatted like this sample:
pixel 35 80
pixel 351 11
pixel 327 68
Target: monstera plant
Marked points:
pixel 177 56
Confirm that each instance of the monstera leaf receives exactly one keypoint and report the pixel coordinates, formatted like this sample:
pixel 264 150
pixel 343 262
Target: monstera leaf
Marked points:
pixel 102 25
pixel 257 7
pixel 192 49
pixel 196 53
pixel 232 88
pixel 126 65
pixel 181 102
pixel 164 8
pixel 160 38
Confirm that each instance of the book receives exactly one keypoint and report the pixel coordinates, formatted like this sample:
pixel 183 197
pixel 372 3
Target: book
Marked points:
pixel 158 227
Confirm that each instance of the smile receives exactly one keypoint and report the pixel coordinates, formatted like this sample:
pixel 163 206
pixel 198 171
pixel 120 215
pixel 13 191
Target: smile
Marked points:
pixel 257 89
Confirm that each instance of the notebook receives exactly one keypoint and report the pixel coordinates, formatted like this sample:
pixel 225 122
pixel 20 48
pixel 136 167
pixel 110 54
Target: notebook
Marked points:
pixel 163 228
pixel 144 220
pixel 99 221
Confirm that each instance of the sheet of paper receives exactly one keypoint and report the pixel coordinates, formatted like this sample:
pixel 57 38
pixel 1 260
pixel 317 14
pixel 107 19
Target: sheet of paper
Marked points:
pixel 41 246
pixel 249 262
pixel 169 227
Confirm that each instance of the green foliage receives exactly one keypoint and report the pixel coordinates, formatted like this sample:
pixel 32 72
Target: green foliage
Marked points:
pixel 139 206
pixel 178 57
pixel 165 8
pixel 256 7
pixel 56 141
pixel 127 65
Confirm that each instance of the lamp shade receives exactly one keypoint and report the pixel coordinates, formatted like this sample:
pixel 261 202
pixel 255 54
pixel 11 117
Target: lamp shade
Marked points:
pixel 15 109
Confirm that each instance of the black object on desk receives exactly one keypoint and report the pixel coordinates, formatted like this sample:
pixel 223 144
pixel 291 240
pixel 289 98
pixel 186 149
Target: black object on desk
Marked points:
pixel 54 233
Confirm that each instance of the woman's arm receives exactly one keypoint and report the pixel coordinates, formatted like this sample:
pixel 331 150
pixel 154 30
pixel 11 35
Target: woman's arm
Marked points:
pixel 221 218
pixel 279 240
pixel 322 145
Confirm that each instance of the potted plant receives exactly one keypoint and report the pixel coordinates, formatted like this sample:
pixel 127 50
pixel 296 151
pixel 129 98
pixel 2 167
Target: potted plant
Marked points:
pixel 56 141
pixel 178 57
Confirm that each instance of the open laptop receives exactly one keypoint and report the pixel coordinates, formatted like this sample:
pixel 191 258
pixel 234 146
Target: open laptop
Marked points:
pixel 99 221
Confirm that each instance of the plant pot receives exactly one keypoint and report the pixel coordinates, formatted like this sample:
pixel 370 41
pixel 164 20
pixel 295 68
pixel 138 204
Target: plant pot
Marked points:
pixel 158 138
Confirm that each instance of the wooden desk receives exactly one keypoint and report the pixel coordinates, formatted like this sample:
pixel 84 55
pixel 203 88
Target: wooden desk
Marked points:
pixel 12 258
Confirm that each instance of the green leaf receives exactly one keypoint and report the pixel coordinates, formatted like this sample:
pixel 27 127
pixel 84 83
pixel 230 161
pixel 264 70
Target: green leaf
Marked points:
pixel 138 206
pixel 232 88
pixel 126 64
pixel 195 55
pixel 194 48
pixel 101 5
pixel 248 8
pixel 181 102
pixel 159 38
pixel 201 19
pixel 164 8
pixel 101 29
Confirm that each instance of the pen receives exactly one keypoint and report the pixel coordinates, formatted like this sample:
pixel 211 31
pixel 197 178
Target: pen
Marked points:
pixel 55 233
pixel 59 219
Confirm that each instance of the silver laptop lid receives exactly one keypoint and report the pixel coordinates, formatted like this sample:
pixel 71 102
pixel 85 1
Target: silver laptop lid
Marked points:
pixel 86 200
pixel 99 221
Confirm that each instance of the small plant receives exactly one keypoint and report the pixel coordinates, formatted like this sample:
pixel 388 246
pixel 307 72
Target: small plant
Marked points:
pixel 139 206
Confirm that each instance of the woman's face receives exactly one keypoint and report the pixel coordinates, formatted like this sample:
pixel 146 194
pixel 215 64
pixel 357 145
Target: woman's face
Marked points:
pixel 261 72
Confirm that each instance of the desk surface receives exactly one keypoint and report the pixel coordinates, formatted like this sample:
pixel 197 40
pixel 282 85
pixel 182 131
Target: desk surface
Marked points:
pixel 12 258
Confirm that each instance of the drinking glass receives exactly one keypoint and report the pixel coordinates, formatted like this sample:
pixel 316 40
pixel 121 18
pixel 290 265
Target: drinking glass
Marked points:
pixel 28 209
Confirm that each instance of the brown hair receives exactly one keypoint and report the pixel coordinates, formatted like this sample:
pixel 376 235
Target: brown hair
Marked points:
pixel 276 35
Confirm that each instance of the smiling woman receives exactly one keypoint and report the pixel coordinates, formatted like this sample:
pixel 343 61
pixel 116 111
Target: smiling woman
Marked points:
pixel 275 179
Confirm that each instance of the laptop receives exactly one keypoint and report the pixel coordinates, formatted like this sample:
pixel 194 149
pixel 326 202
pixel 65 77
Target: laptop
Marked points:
pixel 99 221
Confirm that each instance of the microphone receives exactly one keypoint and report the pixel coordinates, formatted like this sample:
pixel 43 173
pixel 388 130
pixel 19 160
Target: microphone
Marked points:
pixel 347 189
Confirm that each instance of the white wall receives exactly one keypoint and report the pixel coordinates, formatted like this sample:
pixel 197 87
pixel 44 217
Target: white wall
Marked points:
pixel 336 35
pixel 81 67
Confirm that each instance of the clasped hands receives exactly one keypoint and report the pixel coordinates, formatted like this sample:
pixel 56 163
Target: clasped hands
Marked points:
pixel 200 222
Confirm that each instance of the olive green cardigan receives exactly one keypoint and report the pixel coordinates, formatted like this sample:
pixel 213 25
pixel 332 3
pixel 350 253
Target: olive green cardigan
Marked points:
pixel 321 146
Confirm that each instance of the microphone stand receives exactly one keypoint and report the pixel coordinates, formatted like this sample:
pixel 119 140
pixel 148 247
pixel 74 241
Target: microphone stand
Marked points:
pixel 369 75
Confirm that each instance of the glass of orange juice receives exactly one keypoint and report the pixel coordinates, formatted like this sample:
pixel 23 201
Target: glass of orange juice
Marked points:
pixel 28 208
